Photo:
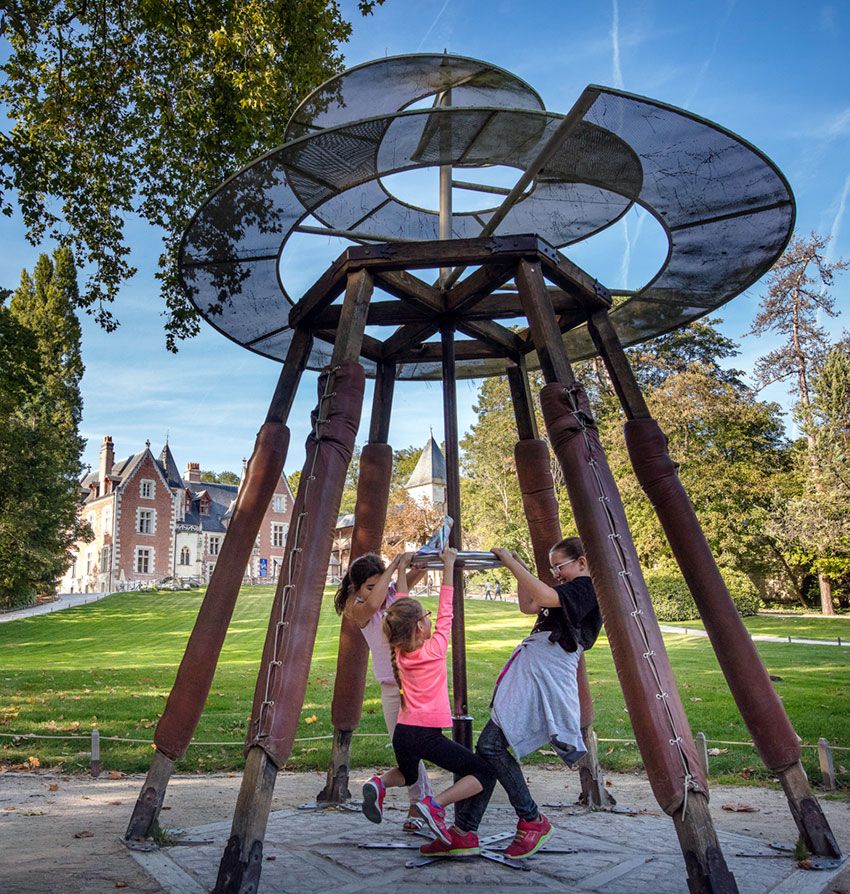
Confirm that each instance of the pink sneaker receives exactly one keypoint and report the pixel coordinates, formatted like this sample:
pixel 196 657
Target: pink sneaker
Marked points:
pixel 462 844
pixel 373 799
pixel 435 816
pixel 530 836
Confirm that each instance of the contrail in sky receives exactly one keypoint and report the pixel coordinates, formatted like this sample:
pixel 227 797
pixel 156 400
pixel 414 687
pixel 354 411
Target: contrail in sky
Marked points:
pixel 835 229
pixel 428 32
pixel 616 72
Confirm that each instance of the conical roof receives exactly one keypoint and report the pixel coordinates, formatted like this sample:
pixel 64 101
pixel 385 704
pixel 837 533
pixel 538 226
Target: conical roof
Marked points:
pixel 430 468
pixel 169 467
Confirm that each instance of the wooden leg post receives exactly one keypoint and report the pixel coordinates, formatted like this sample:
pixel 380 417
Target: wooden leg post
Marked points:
pixel 370 513
pixel 541 511
pixel 194 677
pixel 655 709
pixel 282 680
pixel 461 721
pixel 746 676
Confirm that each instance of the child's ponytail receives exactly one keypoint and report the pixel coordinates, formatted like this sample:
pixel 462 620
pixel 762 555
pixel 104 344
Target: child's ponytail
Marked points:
pixel 400 630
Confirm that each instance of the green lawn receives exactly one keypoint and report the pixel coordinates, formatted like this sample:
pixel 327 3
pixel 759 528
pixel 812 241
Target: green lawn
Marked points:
pixel 788 625
pixel 111 664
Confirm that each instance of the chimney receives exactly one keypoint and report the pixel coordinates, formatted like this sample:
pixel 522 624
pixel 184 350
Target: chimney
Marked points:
pixel 193 473
pixel 107 461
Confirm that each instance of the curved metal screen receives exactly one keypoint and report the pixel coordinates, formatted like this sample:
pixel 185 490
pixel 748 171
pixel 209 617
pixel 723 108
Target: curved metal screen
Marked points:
pixel 726 209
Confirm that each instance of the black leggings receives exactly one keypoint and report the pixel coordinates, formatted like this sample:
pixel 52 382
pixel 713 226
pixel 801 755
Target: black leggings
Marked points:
pixel 415 743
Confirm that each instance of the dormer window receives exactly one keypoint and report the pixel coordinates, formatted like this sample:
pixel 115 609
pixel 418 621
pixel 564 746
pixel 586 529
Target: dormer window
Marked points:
pixel 279 503
pixel 204 504
pixel 147 488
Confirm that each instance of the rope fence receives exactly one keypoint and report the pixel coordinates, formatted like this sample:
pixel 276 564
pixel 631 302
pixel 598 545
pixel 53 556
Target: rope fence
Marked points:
pixel 824 748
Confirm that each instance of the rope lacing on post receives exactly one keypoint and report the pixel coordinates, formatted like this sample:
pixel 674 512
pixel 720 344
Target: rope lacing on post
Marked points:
pixel 292 553
pixel 676 741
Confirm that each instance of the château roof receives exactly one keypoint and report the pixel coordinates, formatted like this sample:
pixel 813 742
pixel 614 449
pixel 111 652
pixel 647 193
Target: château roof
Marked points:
pixel 430 468
pixel 169 467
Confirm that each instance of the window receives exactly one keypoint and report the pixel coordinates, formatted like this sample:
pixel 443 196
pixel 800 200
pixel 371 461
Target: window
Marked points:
pixel 184 556
pixel 147 488
pixel 215 544
pixel 104 559
pixel 279 503
pixel 145 521
pixel 204 504
pixel 107 521
pixel 278 534
pixel 143 559
pixel 89 562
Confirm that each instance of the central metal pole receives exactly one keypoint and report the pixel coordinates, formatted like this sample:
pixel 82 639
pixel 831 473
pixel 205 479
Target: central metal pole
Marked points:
pixel 461 721
pixel 445 182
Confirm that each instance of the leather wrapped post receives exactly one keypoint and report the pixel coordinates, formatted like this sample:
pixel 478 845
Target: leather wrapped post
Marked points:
pixel 760 706
pixel 370 515
pixel 541 511
pixel 285 666
pixel 651 695
pixel 191 687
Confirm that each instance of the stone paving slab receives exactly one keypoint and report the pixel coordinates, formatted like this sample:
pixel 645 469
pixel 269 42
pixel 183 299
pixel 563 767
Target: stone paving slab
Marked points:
pixel 319 851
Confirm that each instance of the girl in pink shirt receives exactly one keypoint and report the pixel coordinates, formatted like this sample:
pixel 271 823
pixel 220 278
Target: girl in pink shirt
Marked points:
pixel 419 663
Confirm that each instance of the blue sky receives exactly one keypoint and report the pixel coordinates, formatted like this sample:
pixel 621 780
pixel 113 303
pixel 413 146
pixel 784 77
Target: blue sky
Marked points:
pixel 775 73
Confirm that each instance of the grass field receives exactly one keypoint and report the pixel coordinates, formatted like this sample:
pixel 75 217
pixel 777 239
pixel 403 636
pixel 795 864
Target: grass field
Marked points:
pixel 112 663
pixel 788 625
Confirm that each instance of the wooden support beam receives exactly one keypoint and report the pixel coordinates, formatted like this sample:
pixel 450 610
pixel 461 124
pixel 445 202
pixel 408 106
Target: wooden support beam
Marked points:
pixel 545 333
pixel 464 350
pixel 410 288
pixel 479 285
pixel 290 375
pixel 349 338
pixel 381 313
pixel 526 423
pixel 561 271
pixel 379 427
pixel 370 348
pixel 324 291
pixel 617 364
pixel 407 337
pixel 500 337
pixel 704 861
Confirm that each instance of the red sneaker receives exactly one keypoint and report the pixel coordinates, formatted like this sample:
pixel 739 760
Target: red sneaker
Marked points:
pixel 435 816
pixel 373 799
pixel 462 844
pixel 530 836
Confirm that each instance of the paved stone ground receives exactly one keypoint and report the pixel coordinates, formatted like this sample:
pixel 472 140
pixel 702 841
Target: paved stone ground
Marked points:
pixel 620 853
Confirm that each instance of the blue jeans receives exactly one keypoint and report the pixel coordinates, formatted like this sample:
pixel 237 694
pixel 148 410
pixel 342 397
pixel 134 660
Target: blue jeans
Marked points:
pixel 493 747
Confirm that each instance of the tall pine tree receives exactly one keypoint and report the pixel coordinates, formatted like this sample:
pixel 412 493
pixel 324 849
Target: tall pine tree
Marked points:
pixel 40 373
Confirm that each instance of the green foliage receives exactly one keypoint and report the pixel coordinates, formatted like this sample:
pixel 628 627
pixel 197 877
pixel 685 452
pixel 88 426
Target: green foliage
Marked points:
pixel 404 462
pixel 143 108
pixel 220 477
pixel 40 447
pixel 672 600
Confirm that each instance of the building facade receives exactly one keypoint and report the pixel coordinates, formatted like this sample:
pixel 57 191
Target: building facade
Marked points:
pixel 151 523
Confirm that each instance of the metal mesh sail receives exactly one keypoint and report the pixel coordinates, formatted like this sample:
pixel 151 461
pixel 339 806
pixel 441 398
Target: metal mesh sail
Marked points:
pixel 726 209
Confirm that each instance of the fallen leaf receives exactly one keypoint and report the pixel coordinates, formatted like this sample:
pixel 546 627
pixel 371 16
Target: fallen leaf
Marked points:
pixel 694 698
pixel 33 762
pixel 121 885
pixel 115 803
pixel 84 834
pixel 115 774
pixel 32 813
pixel 805 864
pixel 53 787
pixel 715 751
pixel 747 772
pixel 740 807
pixel 311 719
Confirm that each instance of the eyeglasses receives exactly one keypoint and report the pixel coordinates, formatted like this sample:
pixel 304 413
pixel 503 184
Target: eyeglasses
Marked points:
pixel 555 569
pixel 425 615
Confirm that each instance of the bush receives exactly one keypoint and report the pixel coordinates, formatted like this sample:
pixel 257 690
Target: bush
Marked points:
pixel 672 600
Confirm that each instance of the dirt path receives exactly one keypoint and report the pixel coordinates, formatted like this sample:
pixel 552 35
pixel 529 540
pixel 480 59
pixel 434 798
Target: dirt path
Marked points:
pixel 62 833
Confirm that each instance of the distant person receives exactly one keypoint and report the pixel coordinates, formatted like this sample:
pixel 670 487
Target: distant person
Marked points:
pixel 364 595
pixel 488 591
pixel 536 701
pixel 498 590
pixel 419 664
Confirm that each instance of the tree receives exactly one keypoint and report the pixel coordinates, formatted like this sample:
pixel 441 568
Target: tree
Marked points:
pixel 144 108
pixel 225 477
pixel 40 447
pixel 797 292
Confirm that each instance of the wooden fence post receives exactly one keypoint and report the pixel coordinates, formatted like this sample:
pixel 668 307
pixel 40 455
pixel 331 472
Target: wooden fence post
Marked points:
pixel 827 767
pixel 95 753
pixel 702 751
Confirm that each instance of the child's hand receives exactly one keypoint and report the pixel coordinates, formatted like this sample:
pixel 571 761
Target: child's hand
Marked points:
pixel 405 559
pixel 505 556
pixel 448 555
